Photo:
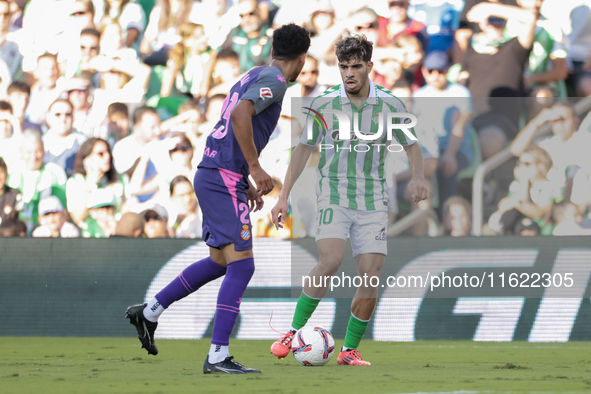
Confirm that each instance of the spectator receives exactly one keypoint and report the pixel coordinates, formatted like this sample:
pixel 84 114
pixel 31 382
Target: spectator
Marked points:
pixel 581 191
pixel 100 222
pixel 162 31
pixel 441 18
pixel 156 219
pixel 130 225
pixel 9 49
pixel 79 58
pixel 457 217
pixel 400 23
pixel 445 108
pixel 531 194
pixel 217 20
pixel 187 121
pixel 185 218
pixel 547 68
pixel 567 147
pixel 44 23
pixel 53 220
pixel 226 69
pixel 80 40
pixel 467 27
pixel 78 92
pixel 578 44
pixel 568 220
pixel 146 128
pixel 13 228
pixel 493 67
pixel 252 38
pixel 61 140
pixel 213 112
pixel 527 228
pixel 307 86
pixel 10 134
pixel 11 200
pixel 187 64
pixel 174 155
pixel 34 179
pixel 129 150
pixel 19 93
pixel 130 16
pixel 93 169
pixel 388 69
pixel 118 123
pixel 45 90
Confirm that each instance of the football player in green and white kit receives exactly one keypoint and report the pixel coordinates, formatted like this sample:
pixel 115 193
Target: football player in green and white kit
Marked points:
pixel 351 189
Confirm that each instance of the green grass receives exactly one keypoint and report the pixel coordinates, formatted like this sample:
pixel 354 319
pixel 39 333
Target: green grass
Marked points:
pixel 118 365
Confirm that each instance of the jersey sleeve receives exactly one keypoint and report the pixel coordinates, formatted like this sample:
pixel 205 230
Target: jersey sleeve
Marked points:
pixel 266 90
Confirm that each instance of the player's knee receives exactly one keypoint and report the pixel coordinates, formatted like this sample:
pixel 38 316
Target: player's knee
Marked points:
pixel 328 266
pixel 243 268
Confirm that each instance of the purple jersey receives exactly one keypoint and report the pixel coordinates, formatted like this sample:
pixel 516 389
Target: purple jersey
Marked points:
pixel 265 87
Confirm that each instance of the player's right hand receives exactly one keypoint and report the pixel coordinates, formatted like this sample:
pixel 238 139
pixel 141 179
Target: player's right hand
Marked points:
pixel 262 180
pixel 279 212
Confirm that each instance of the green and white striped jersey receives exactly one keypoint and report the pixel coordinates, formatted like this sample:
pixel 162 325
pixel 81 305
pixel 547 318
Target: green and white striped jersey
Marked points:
pixel 351 172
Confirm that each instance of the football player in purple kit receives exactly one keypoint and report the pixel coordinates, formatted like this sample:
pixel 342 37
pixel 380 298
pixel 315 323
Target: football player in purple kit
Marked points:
pixel 249 116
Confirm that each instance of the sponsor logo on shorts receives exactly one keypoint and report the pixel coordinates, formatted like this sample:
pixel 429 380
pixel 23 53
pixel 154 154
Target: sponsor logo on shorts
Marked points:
pixel 245 233
pixel 381 235
pixel 266 92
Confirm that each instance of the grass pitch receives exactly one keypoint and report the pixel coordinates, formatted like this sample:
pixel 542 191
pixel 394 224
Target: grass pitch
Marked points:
pixel 118 365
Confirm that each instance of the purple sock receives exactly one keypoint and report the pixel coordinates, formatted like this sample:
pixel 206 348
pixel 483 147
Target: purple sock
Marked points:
pixel 237 277
pixel 192 278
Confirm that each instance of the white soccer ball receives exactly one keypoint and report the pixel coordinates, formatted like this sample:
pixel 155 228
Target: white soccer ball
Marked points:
pixel 312 346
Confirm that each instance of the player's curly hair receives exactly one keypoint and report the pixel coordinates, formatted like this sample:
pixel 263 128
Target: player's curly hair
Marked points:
pixel 357 47
pixel 290 41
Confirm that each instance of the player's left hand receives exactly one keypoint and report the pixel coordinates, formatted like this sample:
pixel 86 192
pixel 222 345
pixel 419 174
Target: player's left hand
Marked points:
pixel 255 201
pixel 418 189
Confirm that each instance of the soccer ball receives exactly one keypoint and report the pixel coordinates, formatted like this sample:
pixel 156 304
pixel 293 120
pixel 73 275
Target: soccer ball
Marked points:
pixel 312 346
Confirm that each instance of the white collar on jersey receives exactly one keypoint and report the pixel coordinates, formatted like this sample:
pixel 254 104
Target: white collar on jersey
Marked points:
pixel 372 99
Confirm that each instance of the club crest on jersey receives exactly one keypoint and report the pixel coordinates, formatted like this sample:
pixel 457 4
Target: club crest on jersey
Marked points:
pixel 245 233
pixel 375 118
pixel 266 92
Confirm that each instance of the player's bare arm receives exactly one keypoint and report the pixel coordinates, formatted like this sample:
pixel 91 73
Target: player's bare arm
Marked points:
pixel 418 184
pixel 241 118
pixel 298 161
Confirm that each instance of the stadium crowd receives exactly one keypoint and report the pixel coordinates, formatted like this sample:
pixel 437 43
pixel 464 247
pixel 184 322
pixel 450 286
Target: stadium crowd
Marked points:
pixel 105 106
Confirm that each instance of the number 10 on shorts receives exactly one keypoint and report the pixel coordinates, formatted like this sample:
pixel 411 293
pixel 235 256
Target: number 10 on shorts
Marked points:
pixel 325 216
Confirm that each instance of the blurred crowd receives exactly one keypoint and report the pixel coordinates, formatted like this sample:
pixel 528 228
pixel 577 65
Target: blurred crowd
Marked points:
pixel 105 106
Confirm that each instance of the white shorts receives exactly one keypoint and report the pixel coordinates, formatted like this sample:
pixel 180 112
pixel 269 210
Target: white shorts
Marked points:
pixel 367 228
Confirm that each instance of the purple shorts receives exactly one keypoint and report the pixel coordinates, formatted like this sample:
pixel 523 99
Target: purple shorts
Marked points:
pixel 226 216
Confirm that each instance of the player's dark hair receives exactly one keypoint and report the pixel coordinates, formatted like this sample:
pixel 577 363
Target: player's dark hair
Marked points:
pixel 85 150
pixel 119 109
pixel 5 106
pixel 290 41
pixel 176 180
pixel 357 47
pixel 20 87
pixel 139 112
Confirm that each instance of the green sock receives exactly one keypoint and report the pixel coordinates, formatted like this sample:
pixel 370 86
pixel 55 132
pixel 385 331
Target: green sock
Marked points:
pixel 355 331
pixel 304 309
